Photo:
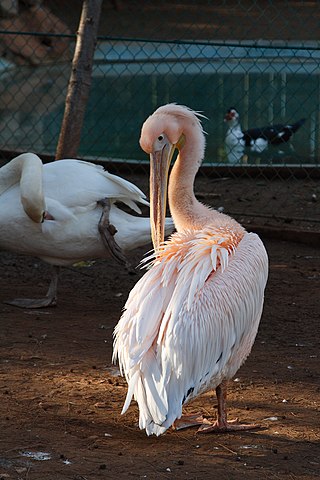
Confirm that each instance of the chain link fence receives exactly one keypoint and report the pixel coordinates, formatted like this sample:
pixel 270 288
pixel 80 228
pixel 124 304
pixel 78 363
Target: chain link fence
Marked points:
pixel 259 57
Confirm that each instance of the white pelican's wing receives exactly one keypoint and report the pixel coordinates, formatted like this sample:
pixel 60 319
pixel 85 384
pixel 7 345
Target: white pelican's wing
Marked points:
pixel 190 322
pixel 64 179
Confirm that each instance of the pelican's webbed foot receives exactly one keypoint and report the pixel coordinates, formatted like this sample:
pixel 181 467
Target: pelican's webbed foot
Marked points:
pixel 188 421
pixel 230 426
pixel 32 302
pixel 50 300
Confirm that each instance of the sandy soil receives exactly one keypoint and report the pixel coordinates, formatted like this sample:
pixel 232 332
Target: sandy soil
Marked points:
pixel 61 395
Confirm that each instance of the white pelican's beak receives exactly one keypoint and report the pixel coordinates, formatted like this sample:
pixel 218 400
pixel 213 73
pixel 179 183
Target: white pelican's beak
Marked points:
pixel 160 159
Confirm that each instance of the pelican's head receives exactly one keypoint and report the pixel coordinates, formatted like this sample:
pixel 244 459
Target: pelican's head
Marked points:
pixel 35 212
pixel 232 116
pixel 162 133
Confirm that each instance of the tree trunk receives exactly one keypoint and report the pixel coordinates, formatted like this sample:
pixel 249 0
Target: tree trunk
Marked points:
pixel 80 81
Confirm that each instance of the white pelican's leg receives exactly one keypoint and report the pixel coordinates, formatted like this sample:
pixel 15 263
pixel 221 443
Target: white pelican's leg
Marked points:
pixel 107 232
pixel 50 300
pixel 222 424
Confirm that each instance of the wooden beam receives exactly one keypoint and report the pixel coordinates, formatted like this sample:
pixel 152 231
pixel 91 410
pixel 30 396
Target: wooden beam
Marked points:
pixel 80 81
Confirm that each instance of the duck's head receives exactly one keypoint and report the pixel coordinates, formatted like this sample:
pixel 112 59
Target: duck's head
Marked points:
pixel 232 116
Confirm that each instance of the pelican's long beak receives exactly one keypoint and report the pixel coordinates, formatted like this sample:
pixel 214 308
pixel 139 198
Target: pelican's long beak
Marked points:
pixel 159 169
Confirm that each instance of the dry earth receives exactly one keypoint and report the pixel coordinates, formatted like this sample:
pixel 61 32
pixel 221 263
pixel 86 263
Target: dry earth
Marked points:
pixel 61 395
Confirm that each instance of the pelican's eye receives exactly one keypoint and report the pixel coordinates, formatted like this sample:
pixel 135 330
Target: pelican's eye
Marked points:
pixel 160 142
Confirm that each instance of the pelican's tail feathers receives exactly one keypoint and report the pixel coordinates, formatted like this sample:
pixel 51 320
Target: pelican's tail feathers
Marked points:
pixel 128 189
pixel 155 394
pixel 159 395
pixel 131 204
pixel 135 337
pixel 153 429
pixel 130 392
pixel 144 384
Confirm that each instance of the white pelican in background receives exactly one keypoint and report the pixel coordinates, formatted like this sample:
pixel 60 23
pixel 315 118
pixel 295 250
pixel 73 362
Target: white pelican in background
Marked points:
pixel 64 212
pixel 191 321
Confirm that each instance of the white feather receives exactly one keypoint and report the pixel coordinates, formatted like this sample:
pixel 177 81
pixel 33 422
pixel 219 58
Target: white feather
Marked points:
pixel 71 190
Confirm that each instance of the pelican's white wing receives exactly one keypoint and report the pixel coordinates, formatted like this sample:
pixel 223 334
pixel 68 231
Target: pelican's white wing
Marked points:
pixel 190 322
pixel 77 184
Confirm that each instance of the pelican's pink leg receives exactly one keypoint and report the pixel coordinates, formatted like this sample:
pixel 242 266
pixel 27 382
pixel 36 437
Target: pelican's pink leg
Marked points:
pixel 222 424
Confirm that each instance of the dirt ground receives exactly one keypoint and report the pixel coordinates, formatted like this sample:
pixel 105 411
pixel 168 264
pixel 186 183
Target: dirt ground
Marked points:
pixel 61 397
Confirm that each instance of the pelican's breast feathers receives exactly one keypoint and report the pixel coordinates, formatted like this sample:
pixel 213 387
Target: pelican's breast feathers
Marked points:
pixel 201 305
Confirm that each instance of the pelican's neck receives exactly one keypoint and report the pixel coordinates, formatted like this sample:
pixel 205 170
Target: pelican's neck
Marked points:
pixel 25 169
pixel 187 212
pixel 185 209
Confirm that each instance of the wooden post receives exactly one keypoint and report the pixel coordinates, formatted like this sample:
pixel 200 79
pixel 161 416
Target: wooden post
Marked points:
pixel 80 81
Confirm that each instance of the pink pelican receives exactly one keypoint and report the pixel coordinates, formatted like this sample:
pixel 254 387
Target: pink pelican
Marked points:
pixel 191 320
